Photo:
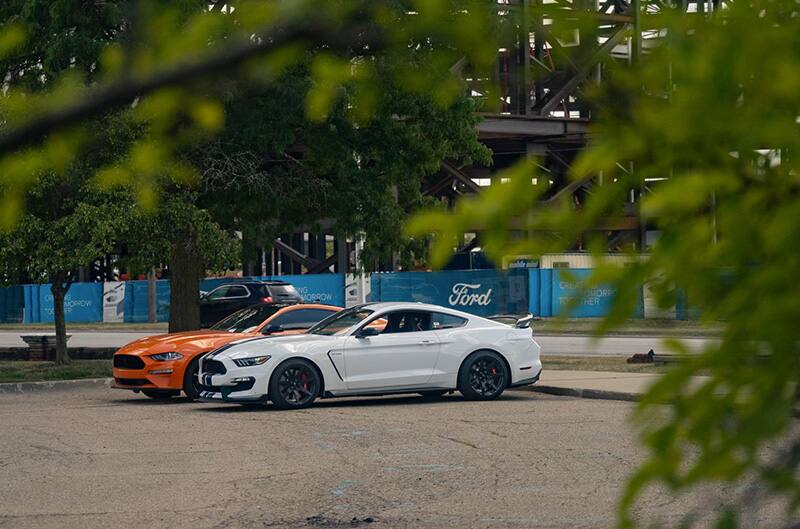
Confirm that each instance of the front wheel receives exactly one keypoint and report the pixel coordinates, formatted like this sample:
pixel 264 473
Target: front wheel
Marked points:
pixel 483 376
pixel 160 394
pixel 294 384
pixel 191 385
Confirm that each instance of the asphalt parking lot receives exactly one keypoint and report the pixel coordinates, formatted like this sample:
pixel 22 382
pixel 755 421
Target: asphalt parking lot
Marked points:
pixel 107 458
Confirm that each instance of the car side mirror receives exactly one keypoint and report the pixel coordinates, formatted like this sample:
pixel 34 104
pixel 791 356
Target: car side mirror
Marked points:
pixel 273 329
pixel 366 332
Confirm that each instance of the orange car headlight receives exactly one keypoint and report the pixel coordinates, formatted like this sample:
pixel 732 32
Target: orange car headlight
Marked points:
pixel 165 357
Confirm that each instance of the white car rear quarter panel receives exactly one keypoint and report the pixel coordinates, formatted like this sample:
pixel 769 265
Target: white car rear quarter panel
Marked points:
pixel 515 345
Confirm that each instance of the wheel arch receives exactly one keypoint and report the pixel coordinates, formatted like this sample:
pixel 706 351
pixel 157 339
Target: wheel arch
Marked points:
pixel 305 359
pixel 487 350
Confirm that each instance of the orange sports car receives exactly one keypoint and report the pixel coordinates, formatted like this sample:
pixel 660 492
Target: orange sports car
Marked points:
pixel 161 366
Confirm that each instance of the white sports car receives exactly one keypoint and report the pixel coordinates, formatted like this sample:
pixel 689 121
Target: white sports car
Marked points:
pixel 377 349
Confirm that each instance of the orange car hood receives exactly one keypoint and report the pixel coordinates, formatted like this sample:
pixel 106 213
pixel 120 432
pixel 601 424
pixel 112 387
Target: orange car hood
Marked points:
pixel 185 342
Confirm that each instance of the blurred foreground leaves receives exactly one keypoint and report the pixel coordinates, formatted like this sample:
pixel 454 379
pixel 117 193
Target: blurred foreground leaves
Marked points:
pixel 710 123
pixel 172 65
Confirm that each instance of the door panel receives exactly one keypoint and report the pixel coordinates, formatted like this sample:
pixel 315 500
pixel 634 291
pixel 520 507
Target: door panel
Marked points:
pixel 392 360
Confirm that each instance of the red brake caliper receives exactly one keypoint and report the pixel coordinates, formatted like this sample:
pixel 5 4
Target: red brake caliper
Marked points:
pixel 304 378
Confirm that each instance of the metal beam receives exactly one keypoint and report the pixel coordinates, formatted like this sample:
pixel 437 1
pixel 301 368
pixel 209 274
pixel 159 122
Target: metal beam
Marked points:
pixel 583 71
pixel 502 125
pixel 461 177
pixel 293 254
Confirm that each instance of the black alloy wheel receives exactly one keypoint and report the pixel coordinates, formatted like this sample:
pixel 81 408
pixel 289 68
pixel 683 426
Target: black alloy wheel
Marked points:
pixel 483 376
pixel 294 385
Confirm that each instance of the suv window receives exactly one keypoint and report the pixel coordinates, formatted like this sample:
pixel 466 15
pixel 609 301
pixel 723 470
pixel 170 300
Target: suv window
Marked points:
pixel 283 291
pixel 407 321
pixel 219 292
pixel 237 291
pixel 301 318
pixel 447 321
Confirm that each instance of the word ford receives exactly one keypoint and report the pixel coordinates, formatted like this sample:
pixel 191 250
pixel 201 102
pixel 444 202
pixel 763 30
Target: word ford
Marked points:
pixel 464 294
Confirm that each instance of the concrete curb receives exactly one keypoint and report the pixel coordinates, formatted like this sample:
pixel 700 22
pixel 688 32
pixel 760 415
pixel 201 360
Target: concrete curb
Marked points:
pixel 53 385
pixel 598 394
pixel 63 385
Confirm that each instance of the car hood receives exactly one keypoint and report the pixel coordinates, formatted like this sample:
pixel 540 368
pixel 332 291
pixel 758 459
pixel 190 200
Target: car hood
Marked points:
pixel 299 343
pixel 184 342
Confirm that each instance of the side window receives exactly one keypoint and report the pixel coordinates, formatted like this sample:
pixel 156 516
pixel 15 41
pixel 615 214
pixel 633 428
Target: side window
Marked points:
pixel 407 321
pixel 219 292
pixel 237 291
pixel 301 318
pixel 447 321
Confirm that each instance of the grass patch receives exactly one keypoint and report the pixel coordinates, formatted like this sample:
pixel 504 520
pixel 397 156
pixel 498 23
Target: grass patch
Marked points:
pixel 599 363
pixel 27 327
pixel 24 371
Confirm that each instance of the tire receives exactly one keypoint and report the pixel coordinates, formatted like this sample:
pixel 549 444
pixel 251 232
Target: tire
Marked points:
pixel 190 383
pixel 483 376
pixel 433 395
pixel 161 394
pixel 294 385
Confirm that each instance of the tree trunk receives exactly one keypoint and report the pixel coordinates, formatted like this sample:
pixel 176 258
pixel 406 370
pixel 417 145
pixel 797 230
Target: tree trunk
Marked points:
pixel 151 296
pixel 186 267
pixel 59 290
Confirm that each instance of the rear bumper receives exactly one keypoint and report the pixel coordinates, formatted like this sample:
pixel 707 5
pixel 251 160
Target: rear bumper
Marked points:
pixel 526 381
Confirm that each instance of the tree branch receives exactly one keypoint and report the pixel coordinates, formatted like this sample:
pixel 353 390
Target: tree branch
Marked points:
pixel 96 101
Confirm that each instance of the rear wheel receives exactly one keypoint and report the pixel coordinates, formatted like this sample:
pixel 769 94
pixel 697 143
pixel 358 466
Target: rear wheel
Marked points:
pixel 161 394
pixel 483 376
pixel 294 385
pixel 191 386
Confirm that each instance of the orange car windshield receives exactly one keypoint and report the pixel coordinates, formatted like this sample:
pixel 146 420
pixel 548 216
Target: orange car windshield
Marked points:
pixel 340 322
pixel 246 319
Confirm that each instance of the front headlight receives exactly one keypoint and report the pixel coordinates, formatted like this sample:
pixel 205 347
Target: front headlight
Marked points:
pixel 252 361
pixel 164 357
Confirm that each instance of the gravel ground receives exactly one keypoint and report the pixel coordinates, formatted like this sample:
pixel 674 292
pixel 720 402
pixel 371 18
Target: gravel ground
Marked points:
pixel 98 457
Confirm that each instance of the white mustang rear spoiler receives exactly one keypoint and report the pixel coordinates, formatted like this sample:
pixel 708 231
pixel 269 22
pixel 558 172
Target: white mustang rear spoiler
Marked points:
pixel 514 320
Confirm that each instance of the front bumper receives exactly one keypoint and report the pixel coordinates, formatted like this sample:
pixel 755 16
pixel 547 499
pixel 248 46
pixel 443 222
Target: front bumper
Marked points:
pixel 145 378
pixel 237 384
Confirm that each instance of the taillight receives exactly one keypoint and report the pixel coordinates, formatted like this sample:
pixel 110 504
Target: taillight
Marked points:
pixel 267 299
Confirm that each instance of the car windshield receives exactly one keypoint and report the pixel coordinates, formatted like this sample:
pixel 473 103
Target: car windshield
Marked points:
pixel 246 319
pixel 340 322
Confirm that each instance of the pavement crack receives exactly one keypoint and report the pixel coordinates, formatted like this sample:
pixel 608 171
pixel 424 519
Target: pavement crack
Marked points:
pixel 465 443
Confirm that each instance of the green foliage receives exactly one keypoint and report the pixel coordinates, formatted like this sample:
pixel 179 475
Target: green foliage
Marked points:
pixel 364 174
pixel 713 109
pixel 171 52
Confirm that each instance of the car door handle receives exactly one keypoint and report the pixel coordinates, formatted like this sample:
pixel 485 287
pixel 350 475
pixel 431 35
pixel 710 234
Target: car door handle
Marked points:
pixel 427 342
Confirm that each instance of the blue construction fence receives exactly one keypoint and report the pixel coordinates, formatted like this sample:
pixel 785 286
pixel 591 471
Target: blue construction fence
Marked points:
pixel 543 292
pixel 85 302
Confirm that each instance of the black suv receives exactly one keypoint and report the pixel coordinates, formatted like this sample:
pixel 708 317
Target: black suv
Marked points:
pixel 230 297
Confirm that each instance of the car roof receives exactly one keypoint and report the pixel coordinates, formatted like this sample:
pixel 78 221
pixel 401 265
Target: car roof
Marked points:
pixel 253 282
pixel 298 306
pixel 412 305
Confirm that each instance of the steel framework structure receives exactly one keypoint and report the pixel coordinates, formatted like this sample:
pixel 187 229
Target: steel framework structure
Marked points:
pixel 537 110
